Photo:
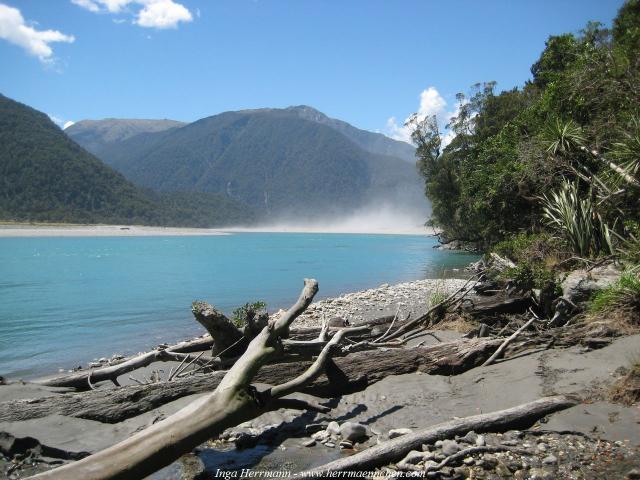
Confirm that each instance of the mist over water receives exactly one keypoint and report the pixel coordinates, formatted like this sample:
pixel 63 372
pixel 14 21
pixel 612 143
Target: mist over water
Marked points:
pixel 385 218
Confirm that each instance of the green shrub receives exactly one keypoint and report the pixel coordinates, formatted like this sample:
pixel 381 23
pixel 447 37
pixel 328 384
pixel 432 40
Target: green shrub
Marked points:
pixel 625 293
pixel 526 276
pixel 241 314
pixel 574 217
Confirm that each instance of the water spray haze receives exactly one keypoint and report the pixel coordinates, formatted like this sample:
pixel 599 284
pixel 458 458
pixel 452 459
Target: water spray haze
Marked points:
pixel 377 218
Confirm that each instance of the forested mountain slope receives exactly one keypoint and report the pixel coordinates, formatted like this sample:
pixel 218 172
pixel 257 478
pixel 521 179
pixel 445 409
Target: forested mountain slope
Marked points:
pixel 271 159
pixel 45 176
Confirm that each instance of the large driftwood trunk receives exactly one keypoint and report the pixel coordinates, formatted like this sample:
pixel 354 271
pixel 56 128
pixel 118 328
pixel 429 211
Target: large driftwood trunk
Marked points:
pixel 522 416
pixel 228 340
pixel 344 374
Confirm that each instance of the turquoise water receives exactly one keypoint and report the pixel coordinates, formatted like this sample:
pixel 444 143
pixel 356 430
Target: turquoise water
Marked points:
pixel 65 301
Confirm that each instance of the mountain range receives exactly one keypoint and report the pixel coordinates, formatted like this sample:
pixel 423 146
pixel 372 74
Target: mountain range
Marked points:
pixel 293 162
pixel 235 168
pixel 47 177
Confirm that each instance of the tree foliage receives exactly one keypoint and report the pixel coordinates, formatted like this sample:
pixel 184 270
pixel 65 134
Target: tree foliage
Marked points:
pixel 576 121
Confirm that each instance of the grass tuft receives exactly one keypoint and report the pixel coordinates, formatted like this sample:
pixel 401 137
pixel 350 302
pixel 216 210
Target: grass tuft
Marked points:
pixel 623 294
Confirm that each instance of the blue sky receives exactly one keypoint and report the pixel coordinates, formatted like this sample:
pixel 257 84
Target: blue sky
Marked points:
pixel 363 61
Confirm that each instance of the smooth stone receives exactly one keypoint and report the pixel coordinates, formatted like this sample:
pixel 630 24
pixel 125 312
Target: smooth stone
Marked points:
pixel 449 447
pixel 398 432
pixel 333 428
pixel 470 437
pixel 550 460
pixel 309 443
pixel 353 431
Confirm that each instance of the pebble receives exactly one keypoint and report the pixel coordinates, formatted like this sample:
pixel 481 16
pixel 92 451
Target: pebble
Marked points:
pixel 633 474
pixel 309 443
pixel 398 432
pixel 346 444
pixel 321 435
pixel 470 437
pixel 352 431
pixel 469 461
pixel 330 444
pixel 550 460
pixel 449 447
pixel 488 462
pixel 481 441
pixel 333 428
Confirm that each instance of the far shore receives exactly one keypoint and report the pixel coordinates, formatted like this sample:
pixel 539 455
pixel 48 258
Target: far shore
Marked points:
pixel 76 230
pixel 61 230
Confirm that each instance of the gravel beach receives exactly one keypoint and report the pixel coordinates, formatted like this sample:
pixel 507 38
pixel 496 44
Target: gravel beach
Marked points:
pixel 357 307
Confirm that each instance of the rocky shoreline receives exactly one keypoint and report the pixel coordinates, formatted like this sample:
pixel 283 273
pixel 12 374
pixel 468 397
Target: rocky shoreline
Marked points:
pixel 592 440
pixel 408 298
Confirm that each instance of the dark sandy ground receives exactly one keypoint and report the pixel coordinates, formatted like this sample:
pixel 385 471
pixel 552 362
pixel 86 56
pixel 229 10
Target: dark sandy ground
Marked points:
pixel 405 401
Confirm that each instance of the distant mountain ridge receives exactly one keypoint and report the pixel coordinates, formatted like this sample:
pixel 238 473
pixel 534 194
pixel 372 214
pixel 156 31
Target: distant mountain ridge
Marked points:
pixel 371 141
pixel 293 161
pixel 45 176
pixel 96 135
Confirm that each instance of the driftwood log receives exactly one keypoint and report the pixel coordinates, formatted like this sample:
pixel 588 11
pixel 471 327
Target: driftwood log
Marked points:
pixel 350 373
pixel 304 342
pixel 232 402
pixel 228 340
pixel 500 304
pixel 522 416
pixel 83 379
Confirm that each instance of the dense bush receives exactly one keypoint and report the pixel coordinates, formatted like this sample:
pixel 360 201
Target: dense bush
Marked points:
pixel 577 121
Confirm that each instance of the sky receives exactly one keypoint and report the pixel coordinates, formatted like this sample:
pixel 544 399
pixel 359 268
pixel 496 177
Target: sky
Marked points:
pixel 369 62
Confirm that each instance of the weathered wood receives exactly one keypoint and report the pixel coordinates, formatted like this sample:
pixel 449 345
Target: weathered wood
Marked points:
pixel 500 304
pixel 228 340
pixel 196 345
pixel 344 374
pixel 506 343
pixel 82 379
pixel 394 450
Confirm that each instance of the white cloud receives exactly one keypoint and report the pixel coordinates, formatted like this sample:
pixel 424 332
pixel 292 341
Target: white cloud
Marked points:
pixel 36 42
pixel 87 4
pixel 63 124
pixel 163 14
pixel 431 103
pixel 158 14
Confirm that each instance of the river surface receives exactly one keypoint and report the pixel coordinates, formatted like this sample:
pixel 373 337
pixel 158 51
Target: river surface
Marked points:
pixel 66 301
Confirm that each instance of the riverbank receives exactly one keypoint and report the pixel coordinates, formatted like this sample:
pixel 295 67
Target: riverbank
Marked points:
pixel 593 439
pixel 63 230
pixel 73 230
pixel 408 299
